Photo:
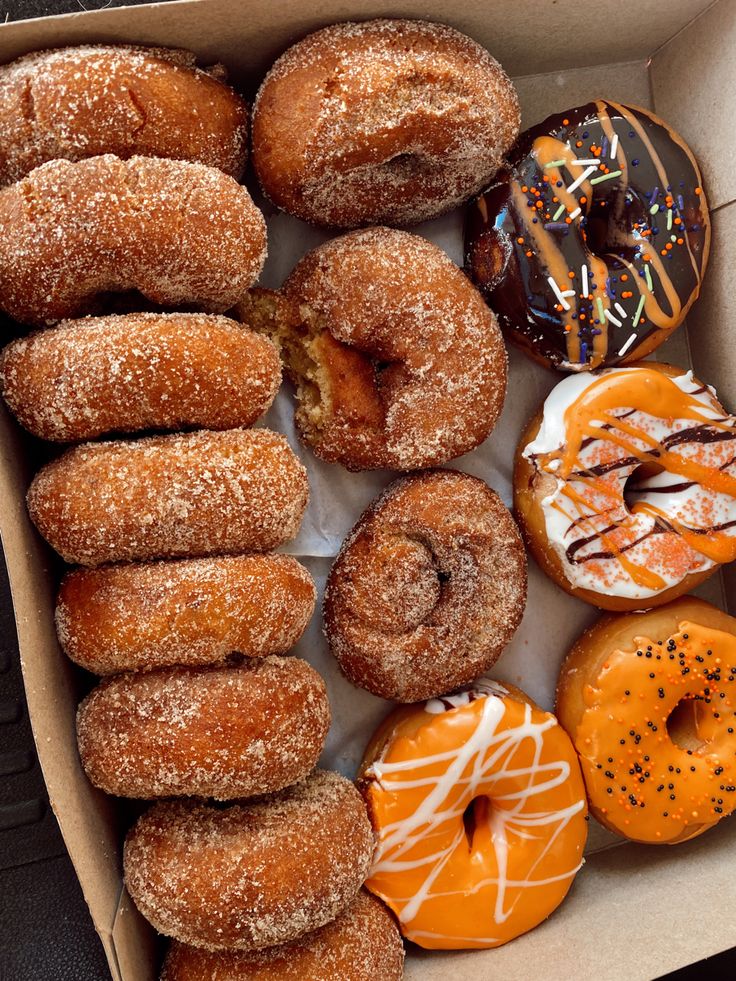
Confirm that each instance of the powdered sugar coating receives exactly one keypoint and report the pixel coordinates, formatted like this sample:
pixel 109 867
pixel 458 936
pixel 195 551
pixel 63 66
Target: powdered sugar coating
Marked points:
pixel 203 493
pixel 191 611
pixel 390 121
pixel 251 875
pixel 180 233
pixel 79 102
pixel 84 378
pixel 362 944
pixel 398 361
pixel 227 731
pixel 428 588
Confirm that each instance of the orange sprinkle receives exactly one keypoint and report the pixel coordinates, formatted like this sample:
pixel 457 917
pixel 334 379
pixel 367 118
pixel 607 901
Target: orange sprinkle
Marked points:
pixel 529 255
pixel 539 204
pixel 565 122
pixel 698 190
pixel 624 277
pixel 680 241
pixel 583 199
pixel 520 241
pixel 524 188
pixel 571 275
pixel 578 143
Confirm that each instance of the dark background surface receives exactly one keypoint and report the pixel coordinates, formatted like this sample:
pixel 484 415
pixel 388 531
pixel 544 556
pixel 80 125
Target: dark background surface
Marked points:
pixel 45 930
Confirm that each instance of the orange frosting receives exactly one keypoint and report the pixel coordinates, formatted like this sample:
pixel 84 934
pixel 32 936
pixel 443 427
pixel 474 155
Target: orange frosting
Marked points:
pixel 480 811
pixel 639 780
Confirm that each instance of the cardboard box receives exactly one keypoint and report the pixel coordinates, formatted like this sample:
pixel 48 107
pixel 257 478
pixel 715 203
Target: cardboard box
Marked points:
pixel 635 912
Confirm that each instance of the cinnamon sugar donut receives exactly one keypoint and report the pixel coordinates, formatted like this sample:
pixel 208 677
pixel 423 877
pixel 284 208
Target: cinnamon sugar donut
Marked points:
pixel 397 360
pixel 82 101
pixel 250 875
pixel 362 944
pixel 192 611
pixel 179 233
pixel 428 588
pixel 222 731
pixel 84 378
pixel 198 494
pixel 388 121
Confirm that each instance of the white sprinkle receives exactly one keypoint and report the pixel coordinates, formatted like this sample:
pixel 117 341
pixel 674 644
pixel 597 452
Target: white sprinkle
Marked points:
pixel 575 213
pixel 614 320
pixel 669 219
pixel 586 291
pixel 614 145
pixel 579 180
pixel 560 296
pixel 627 345
pixel 620 309
pixel 584 163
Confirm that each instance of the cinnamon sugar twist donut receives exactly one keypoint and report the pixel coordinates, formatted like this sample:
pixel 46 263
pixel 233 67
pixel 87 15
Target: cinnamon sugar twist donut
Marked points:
pixel 179 233
pixel 362 944
pixel 428 588
pixel 226 731
pixel 397 360
pixel 199 494
pixel 81 101
pixel 84 378
pixel 250 875
pixel 388 121
pixel 136 617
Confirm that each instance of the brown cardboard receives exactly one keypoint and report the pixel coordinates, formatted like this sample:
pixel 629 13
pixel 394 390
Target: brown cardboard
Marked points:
pixel 634 912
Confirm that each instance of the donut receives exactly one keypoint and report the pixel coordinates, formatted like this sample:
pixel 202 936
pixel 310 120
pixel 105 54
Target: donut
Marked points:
pixel 82 101
pixel 85 378
pixel 250 875
pixel 179 233
pixel 591 244
pixel 139 616
pixel 362 944
pixel 480 811
pixel 625 485
pixel 391 121
pixel 185 496
pixel 221 731
pixel 649 700
pixel 428 588
pixel 396 359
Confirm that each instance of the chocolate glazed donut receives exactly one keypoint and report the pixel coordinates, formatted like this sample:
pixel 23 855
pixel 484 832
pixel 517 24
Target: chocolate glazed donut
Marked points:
pixel 591 245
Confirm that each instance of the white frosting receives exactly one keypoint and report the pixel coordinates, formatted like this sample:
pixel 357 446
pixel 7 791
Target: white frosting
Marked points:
pixel 678 504
pixel 480 688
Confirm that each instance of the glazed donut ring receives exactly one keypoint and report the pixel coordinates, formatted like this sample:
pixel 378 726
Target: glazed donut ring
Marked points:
pixel 389 121
pixel 226 731
pixel 199 494
pixel 135 617
pixel 85 378
pixel 625 485
pixel 665 770
pixel 428 588
pixel 397 360
pixel 79 102
pixel 592 244
pixel 179 233
pixel 362 944
pixel 480 810
pixel 250 875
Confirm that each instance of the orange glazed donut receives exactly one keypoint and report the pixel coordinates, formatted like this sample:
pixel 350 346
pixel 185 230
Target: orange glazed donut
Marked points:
pixel 649 700
pixel 480 810
pixel 223 731
pixel 388 121
pixel 428 588
pixel 179 233
pixel 397 360
pixel 100 375
pixel 192 611
pixel 250 875
pixel 199 494
pixel 625 485
pixel 81 101
pixel 362 944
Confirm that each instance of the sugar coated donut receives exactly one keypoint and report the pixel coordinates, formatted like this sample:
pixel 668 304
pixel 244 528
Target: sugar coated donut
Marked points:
pixel 179 233
pixel 480 810
pixel 139 616
pixel 592 244
pixel 362 944
pixel 625 485
pixel 397 361
pixel 199 494
pixel 222 731
pixel 388 121
pixel 100 375
pixel 428 588
pixel 250 875
pixel 82 101
pixel 649 700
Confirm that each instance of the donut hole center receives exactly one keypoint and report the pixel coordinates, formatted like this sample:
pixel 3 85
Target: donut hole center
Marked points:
pixel 684 723
pixel 475 814
pixel 633 488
